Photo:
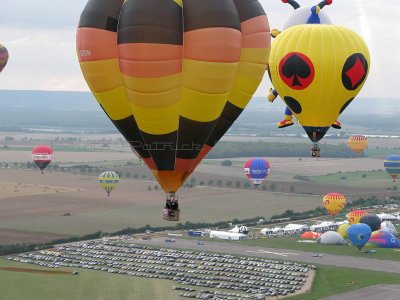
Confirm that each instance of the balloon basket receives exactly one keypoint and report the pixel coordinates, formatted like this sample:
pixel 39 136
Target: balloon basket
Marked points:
pixel 315 151
pixel 171 210
pixel 171 214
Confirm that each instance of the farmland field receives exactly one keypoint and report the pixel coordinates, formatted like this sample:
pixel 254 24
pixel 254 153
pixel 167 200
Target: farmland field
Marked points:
pixel 40 207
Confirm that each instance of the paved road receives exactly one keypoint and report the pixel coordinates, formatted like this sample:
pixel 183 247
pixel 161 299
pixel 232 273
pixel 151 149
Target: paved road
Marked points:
pixel 286 254
pixel 381 291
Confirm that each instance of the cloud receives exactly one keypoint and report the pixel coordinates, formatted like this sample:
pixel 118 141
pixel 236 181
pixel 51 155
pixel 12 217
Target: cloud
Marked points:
pixel 40 36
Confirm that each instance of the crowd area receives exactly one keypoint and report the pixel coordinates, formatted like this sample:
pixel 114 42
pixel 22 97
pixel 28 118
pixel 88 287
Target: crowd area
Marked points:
pixel 202 275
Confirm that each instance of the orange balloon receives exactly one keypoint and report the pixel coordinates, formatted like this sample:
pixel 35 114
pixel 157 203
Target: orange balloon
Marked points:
pixel 357 143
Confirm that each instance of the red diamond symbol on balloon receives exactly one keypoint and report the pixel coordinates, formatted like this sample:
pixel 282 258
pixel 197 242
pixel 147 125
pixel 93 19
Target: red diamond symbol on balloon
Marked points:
pixel 356 73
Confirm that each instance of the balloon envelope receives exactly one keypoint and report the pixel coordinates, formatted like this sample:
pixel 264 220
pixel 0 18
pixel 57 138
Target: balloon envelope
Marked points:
pixel 372 220
pixel 359 234
pixel 357 143
pixel 331 238
pixel 392 165
pixel 342 230
pixel 108 181
pixel 383 239
pixel 3 57
pixel 173 75
pixel 42 155
pixel 310 235
pixel 334 203
pixel 317 86
pixel 257 169
pixel 355 215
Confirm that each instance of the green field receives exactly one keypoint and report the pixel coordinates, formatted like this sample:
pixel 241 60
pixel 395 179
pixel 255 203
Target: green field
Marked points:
pixel 371 179
pixel 291 243
pixel 333 280
pixel 87 285
pixel 101 285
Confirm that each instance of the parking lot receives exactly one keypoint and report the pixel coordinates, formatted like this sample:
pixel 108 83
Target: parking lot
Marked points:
pixel 193 274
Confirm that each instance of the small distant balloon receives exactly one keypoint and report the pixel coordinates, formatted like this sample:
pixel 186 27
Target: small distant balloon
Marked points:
pixel 357 143
pixel 334 203
pixel 108 181
pixel 42 156
pixel 392 166
pixel 257 169
pixel 359 234
pixel 3 57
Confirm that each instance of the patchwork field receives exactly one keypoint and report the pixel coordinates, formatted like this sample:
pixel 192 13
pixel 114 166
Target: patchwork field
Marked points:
pixel 36 207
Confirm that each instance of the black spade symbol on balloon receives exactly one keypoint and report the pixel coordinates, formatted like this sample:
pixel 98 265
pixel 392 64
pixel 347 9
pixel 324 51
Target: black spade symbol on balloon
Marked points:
pixel 297 71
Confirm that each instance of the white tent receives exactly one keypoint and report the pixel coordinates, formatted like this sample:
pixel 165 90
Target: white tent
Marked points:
pixel 226 235
pixel 387 217
pixel 387 225
pixel 325 226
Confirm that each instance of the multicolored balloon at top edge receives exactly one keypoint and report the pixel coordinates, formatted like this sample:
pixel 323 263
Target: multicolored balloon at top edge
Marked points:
pixel 42 156
pixel 3 57
pixel 304 79
pixel 166 77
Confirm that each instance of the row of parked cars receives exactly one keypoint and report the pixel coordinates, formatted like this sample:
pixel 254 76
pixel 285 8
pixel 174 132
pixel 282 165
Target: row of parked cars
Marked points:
pixel 239 277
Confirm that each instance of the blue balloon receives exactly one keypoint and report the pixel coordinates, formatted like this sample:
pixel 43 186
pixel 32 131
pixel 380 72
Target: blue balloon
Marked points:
pixel 359 234
pixel 256 170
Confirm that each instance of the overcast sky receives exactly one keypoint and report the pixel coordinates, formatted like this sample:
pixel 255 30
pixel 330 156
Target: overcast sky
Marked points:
pixel 40 37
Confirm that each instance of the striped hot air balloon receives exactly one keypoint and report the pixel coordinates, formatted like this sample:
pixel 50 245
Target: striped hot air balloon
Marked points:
pixel 173 75
pixel 357 143
pixel 334 203
pixel 3 57
pixel 392 166
pixel 108 181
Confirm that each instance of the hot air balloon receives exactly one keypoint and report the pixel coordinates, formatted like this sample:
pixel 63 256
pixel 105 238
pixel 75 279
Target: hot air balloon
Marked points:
pixel 392 166
pixel 42 155
pixel 342 230
pixel 355 215
pixel 383 239
pixel 257 169
pixel 173 75
pixel 334 203
pixel 3 57
pixel 317 70
pixel 357 143
pixel 108 181
pixel 359 234
pixel 372 220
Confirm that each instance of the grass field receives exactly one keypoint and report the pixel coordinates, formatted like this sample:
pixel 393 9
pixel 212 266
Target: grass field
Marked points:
pixel 372 179
pixel 333 280
pixel 87 285
pixel 291 243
